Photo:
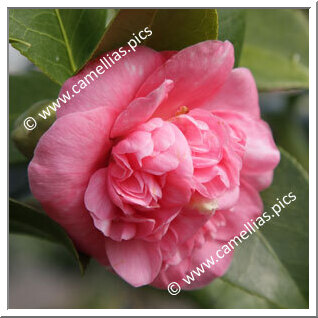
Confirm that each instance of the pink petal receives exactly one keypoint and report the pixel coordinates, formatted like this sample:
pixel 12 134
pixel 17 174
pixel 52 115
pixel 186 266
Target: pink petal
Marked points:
pixel 97 201
pixel 136 261
pixel 172 274
pixel 144 225
pixel 116 87
pixel 140 110
pixel 176 193
pixel 163 137
pixel 119 231
pixel 183 153
pixel 229 198
pixel 176 273
pixel 160 164
pixel 64 160
pixel 262 155
pixel 239 93
pixel 139 142
pixel 197 72
pixel 188 222
pixel 259 181
pixel 125 228
pixel 200 256
pixel 249 206
pixel 168 54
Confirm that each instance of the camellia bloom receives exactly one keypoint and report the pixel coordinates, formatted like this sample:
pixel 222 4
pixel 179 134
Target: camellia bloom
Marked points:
pixel 158 163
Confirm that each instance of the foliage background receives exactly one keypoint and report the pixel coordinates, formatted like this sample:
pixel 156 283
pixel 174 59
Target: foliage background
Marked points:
pixel 272 43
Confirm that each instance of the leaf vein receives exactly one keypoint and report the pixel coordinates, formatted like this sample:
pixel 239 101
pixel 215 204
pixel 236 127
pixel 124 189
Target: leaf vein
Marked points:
pixel 250 292
pixel 28 29
pixel 67 44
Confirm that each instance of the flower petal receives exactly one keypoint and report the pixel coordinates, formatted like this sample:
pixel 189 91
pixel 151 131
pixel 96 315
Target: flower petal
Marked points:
pixel 200 256
pixel 98 203
pixel 239 93
pixel 249 206
pixel 197 72
pixel 140 110
pixel 65 158
pixel 261 156
pixel 116 87
pixel 136 261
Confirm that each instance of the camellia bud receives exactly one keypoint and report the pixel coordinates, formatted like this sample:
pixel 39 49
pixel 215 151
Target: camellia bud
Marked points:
pixel 26 138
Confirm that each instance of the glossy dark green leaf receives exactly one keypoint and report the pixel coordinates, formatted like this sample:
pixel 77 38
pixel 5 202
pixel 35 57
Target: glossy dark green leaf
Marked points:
pixel 24 219
pixel 25 90
pixel 270 268
pixel 276 48
pixel 172 29
pixel 58 41
pixel 232 28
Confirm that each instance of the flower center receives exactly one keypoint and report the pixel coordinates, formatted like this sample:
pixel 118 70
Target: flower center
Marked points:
pixel 205 206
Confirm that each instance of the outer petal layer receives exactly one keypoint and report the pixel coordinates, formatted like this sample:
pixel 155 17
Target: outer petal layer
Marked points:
pixel 199 256
pixel 248 207
pixel 116 87
pixel 64 160
pixel 197 72
pixel 262 155
pixel 239 93
pixel 136 261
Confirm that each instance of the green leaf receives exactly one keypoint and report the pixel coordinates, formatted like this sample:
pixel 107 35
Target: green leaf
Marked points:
pixel 222 294
pixel 172 29
pixel 276 48
pixel 175 29
pixel 25 90
pixel 232 28
pixel 120 30
pixel 288 235
pixel 288 128
pixel 58 41
pixel 26 140
pixel 23 219
pixel 270 268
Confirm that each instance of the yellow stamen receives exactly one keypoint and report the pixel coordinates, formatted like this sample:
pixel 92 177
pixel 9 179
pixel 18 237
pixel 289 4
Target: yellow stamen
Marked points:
pixel 182 110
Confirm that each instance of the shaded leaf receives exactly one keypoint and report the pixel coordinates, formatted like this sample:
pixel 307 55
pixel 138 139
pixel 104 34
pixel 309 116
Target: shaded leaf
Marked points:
pixel 26 220
pixel 288 125
pixel 175 29
pixel 26 140
pixel 276 48
pixel 25 90
pixel 172 29
pixel 222 294
pixel 232 28
pixel 58 41
pixel 270 268
pixel 288 235
pixel 120 30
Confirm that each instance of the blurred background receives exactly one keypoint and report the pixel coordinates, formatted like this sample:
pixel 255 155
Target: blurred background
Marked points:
pixel 44 275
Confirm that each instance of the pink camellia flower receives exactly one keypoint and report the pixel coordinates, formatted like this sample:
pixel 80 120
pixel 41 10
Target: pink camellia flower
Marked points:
pixel 157 163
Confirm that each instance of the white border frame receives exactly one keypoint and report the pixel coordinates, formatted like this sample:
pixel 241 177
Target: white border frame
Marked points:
pixel 312 162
